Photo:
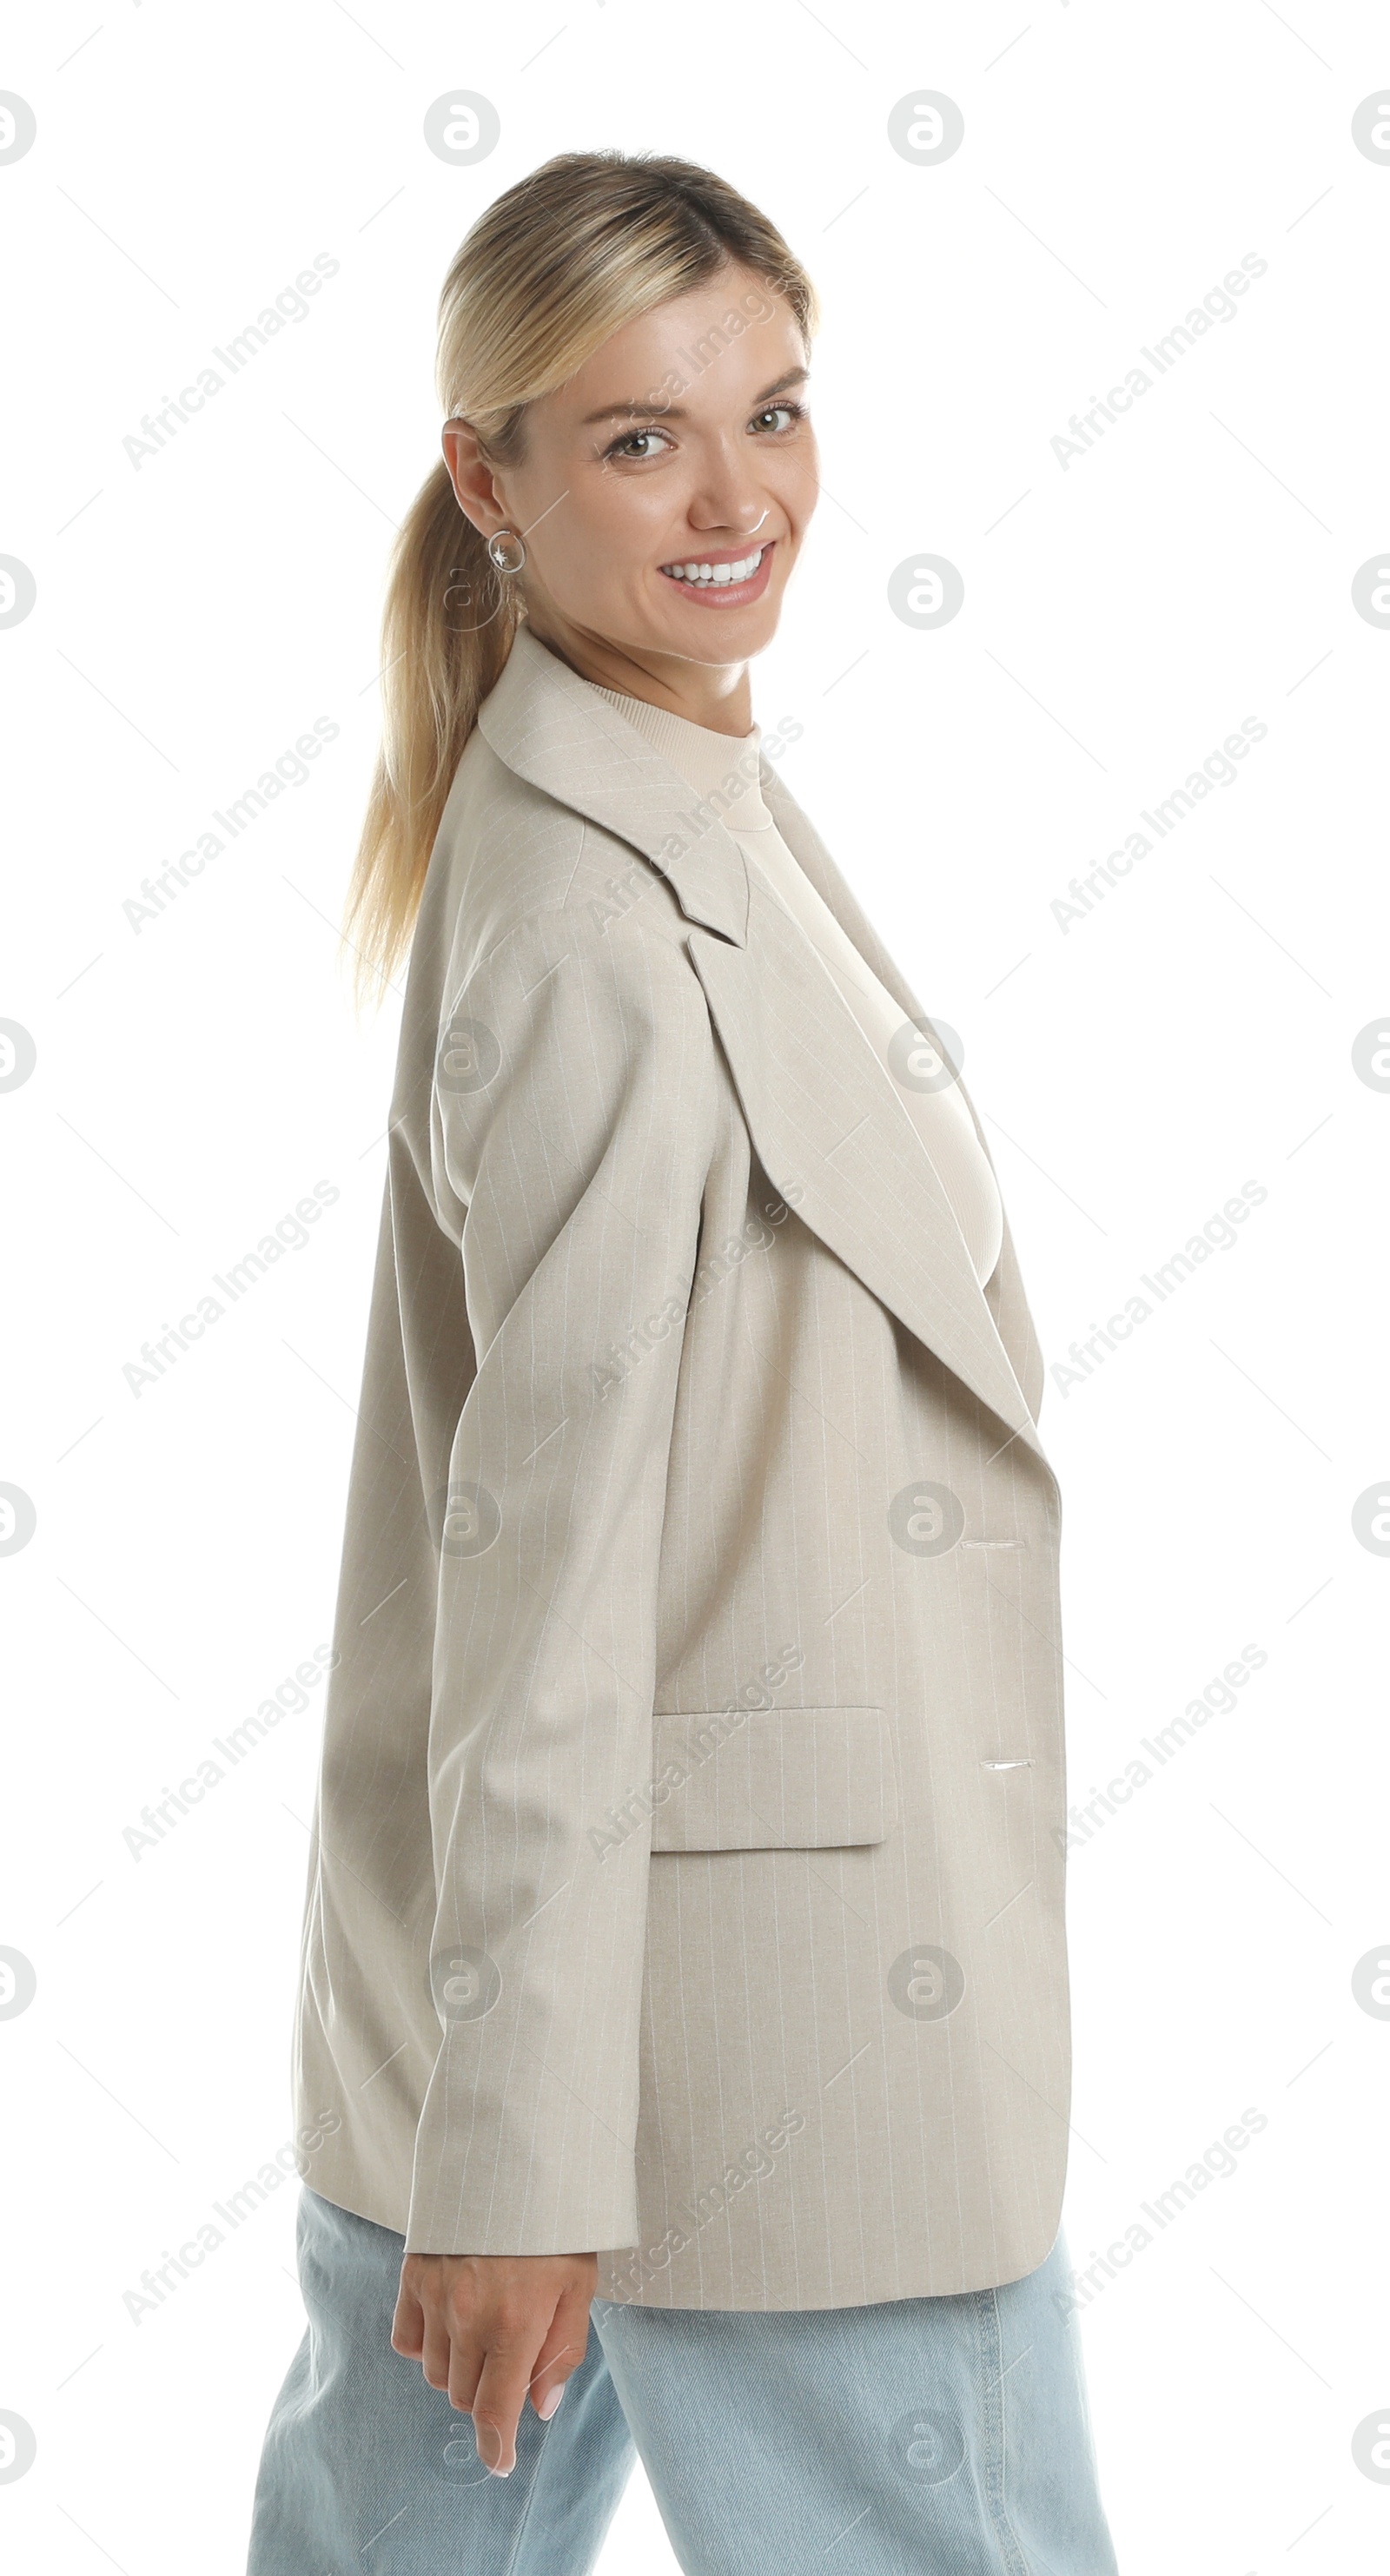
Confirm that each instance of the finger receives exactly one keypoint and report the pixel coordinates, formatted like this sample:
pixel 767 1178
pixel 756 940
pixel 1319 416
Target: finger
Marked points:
pixel 436 2355
pixel 408 2324
pixel 561 2353
pixel 497 2403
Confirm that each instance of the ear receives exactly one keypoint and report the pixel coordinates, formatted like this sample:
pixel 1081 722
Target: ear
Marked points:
pixel 474 482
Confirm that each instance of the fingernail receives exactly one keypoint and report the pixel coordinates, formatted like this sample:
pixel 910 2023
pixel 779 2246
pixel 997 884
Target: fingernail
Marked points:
pixel 548 2404
pixel 499 2473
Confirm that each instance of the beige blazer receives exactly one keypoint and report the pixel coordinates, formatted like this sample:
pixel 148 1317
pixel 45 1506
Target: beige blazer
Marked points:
pixel 687 1875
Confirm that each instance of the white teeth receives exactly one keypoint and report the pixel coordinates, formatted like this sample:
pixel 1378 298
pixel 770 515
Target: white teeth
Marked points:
pixel 723 572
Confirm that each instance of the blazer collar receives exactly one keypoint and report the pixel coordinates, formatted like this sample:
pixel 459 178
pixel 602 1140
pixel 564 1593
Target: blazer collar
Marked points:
pixel 825 1121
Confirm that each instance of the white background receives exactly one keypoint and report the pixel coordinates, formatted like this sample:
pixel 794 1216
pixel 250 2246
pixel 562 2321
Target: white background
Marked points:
pixel 198 1074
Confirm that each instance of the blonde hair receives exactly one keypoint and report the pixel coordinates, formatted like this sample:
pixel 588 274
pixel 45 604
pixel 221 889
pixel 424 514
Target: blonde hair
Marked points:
pixel 549 271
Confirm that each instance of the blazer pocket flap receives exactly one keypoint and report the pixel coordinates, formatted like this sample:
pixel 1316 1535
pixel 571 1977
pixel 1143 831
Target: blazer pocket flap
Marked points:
pixel 772 1779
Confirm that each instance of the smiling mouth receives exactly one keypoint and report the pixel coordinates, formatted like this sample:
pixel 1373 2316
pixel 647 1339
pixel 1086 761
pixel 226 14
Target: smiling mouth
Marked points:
pixel 720 575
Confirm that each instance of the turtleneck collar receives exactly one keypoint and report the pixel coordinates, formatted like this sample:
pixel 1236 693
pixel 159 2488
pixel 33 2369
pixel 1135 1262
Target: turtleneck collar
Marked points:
pixel 710 762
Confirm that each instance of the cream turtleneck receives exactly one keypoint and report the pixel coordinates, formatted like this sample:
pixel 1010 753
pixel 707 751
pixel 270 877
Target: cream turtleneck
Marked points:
pixel 939 1119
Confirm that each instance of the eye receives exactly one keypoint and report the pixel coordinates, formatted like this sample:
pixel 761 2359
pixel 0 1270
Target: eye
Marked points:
pixel 629 445
pixel 791 412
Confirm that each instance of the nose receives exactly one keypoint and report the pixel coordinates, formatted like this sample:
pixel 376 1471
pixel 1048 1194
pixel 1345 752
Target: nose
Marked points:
pixel 730 499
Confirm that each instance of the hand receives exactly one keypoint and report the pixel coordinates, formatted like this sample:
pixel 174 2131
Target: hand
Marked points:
pixel 491 2328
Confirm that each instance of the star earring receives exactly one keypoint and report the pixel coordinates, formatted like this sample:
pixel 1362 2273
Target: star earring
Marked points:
pixel 507 550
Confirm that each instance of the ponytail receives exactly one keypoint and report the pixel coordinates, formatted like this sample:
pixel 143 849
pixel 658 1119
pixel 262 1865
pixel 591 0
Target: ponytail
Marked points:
pixel 447 630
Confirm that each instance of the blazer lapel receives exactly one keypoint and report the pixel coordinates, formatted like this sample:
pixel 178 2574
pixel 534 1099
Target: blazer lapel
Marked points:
pixel 839 1146
pixel 828 1127
pixel 1003 1290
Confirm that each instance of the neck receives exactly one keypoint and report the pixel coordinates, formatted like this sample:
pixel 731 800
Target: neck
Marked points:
pixel 717 695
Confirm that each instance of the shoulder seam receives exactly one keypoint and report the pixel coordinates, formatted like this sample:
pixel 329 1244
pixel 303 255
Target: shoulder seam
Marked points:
pixel 550 912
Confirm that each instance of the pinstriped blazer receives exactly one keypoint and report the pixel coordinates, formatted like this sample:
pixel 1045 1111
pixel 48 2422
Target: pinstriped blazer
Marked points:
pixel 687 1877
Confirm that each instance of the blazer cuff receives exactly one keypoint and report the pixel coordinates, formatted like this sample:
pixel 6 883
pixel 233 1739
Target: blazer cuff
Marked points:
pixel 518 2175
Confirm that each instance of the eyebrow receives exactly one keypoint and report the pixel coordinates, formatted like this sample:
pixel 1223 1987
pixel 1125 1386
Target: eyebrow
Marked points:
pixel 674 411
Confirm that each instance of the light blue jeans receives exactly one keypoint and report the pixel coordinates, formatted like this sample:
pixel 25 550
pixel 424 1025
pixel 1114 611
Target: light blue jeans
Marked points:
pixel 920 2437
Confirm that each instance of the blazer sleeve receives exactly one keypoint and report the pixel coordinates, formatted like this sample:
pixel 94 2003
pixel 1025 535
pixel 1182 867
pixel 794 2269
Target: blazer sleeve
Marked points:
pixel 573 1122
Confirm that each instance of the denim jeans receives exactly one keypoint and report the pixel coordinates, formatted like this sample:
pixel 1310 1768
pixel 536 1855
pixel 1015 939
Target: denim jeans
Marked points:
pixel 919 2437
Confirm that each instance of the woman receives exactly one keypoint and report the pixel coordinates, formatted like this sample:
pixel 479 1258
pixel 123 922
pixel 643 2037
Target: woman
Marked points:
pixel 684 1947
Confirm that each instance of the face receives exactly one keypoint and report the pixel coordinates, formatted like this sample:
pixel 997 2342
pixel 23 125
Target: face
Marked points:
pixel 682 448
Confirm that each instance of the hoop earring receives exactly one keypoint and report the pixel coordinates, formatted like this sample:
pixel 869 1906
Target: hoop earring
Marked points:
pixel 507 550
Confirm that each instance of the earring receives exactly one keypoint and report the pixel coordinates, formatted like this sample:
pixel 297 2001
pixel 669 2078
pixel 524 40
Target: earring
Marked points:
pixel 507 550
